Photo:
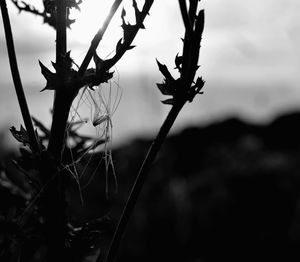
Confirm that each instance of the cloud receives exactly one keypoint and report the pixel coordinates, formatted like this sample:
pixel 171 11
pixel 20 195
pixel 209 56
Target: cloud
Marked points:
pixel 252 41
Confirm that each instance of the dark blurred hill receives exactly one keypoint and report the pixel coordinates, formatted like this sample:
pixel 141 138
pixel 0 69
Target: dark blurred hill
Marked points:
pixel 226 191
pixel 229 190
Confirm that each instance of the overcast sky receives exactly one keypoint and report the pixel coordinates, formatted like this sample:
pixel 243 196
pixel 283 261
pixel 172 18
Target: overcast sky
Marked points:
pixel 250 57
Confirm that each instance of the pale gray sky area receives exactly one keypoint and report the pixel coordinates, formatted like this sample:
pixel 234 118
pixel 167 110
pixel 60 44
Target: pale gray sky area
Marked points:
pixel 249 58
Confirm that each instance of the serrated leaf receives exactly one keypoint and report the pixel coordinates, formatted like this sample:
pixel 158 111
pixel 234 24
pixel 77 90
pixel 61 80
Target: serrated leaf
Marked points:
pixel 73 3
pixel 178 62
pixel 46 72
pixel 165 71
pixel 123 13
pixel 49 76
pixel 99 75
pixel 68 61
pixel 200 82
pixel 69 22
pixel 107 76
pixel 21 135
pixel 138 15
pixel 164 89
pixel 196 89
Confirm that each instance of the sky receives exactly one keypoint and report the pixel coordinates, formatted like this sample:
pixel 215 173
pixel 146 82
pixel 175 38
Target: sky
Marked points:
pixel 249 57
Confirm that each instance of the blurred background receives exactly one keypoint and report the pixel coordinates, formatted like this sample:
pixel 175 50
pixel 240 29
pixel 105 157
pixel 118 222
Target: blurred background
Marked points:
pixel 227 181
pixel 249 59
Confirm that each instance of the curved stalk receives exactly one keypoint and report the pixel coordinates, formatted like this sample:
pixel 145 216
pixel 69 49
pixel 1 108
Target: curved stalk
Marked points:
pixel 140 180
pixel 17 79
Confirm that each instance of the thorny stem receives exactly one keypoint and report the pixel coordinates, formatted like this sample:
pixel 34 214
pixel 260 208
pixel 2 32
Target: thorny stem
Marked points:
pixel 188 47
pixel 112 61
pixel 53 197
pixel 140 179
pixel 61 35
pixel 97 38
pixel 189 67
pixel 17 79
pixel 62 100
pixel 63 97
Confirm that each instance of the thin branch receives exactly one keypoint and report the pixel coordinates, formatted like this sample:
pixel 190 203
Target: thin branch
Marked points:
pixel 97 38
pixel 128 41
pixel 182 91
pixel 140 180
pixel 193 10
pixel 27 8
pixel 48 14
pixel 129 34
pixel 17 79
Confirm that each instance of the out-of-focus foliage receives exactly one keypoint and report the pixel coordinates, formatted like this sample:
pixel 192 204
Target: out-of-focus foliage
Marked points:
pixel 49 10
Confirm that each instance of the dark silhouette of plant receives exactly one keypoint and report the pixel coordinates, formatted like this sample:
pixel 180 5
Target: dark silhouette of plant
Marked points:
pixel 42 231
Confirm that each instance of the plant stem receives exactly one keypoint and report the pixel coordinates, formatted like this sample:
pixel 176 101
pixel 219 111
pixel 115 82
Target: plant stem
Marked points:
pixel 53 198
pixel 62 100
pixel 17 79
pixel 145 11
pixel 61 35
pixel 140 179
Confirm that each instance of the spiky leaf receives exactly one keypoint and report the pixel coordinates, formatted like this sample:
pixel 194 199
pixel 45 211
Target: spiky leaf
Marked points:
pixel 165 89
pixel 20 135
pixel 178 62
pixel 165 71
pixel 50 77
pixel 169 101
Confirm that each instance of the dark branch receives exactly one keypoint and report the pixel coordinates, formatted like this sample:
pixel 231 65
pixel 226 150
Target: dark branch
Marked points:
pixel 97 38
pixel 185 17
pixel 17 79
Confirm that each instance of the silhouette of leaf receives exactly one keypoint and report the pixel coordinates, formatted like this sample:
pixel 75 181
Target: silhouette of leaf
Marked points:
pixel 74 4
pixel 178 62
pixel 138 15
pixel 50 77
pixel 169 101
pixel 20 135
pixel 131 47
pixel 101 75
pixel 164 89
pixel 123 13
pixel 164 70
pixel 119 45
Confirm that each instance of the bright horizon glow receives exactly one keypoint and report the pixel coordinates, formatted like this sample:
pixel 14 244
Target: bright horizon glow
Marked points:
pixel 91 18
